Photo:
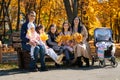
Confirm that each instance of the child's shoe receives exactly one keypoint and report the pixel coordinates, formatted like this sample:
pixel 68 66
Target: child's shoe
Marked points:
pixel 59 58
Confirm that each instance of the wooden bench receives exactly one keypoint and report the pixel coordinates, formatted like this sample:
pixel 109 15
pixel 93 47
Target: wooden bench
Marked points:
pixel 7 54
pixel 0 54
pixel 23 55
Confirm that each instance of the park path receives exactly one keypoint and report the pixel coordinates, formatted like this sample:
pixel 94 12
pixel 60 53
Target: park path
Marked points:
pixel 92 73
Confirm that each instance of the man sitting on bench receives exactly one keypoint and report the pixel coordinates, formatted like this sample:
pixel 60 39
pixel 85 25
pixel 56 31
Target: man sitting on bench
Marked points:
pixel 38 49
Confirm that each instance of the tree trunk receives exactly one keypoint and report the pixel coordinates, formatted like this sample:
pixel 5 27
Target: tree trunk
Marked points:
pixel 18 16
pixel 47 27
pixel 119 26
pixel 1 4
pixel 4 32
pixel 110 21
pixel 9 21
pixel 68 10
pixel 6 14
pixel 39 11
pixel 118 34
pixel 75 8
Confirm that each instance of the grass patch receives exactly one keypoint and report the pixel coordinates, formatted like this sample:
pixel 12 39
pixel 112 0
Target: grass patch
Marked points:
pixel 118 59
pixel 7 66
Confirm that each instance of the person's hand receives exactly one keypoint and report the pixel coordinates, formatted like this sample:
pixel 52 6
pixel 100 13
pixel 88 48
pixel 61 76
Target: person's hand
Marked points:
pixel 72 44
pixel 68 43
pixel 59 43
pixel 44 41
pixel 47 47
pixel 32 43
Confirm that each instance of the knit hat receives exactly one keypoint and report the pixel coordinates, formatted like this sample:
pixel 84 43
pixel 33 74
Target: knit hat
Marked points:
pixel 30 25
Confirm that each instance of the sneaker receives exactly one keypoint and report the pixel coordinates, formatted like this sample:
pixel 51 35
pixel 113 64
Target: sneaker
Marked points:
pixel 43 69
pixel 33 70
pixel 68 63
pixel 58 65
pixel 59 59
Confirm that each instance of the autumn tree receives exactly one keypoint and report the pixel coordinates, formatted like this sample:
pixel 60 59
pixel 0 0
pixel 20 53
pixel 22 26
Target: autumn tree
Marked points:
pixel 71 8
pixel 4 14
pixel 107 12
pixel 91 12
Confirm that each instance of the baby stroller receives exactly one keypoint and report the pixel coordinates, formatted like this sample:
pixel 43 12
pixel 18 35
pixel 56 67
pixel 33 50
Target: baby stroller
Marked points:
pixel 105 47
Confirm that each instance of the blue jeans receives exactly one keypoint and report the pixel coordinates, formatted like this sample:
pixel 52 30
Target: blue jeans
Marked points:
pixel 67 54
pixel 39 50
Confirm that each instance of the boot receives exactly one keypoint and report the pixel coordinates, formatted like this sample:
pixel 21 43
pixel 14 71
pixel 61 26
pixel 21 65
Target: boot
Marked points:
pixel 86 61
pixel 57 65
pixel 79 61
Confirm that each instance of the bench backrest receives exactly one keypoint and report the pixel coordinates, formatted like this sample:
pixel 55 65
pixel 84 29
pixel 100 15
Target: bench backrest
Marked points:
pixel 16 41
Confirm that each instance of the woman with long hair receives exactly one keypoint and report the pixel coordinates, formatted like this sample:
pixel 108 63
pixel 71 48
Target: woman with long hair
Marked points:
pixel 66 31
pixel 81 49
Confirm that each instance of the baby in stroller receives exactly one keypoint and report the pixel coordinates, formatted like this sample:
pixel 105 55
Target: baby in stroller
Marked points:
pixel 105 48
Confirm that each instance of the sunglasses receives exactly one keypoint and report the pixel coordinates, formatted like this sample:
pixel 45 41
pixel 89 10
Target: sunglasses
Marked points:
pixel 32 15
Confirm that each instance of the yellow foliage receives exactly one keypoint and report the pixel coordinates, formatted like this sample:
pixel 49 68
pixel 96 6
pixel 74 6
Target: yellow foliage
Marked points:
pixel 63 38
pixel 22 9
pixel 43 36
pixel 53 11
pixel 59 38
pixel 95 24
pixel 66 38
pixel 77 37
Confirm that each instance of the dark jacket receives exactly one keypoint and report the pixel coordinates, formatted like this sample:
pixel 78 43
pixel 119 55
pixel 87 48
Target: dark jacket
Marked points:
pixel 51 41
pixel 53 44
pixel 24 29
pixel 24 40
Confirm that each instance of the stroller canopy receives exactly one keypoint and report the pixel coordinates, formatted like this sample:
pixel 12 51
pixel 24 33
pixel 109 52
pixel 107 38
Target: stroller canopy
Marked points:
pixel 102 34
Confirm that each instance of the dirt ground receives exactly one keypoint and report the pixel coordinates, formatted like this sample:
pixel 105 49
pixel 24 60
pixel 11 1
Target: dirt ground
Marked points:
pixel 74 73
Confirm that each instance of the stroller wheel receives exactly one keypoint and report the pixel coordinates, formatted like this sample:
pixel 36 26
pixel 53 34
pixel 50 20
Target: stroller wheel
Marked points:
pixel 102 63
pixel 114 64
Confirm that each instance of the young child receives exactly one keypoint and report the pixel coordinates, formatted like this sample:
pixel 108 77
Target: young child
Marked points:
pixel 103 46
pixel 69 46
pixel 33 37
pixel 49 51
